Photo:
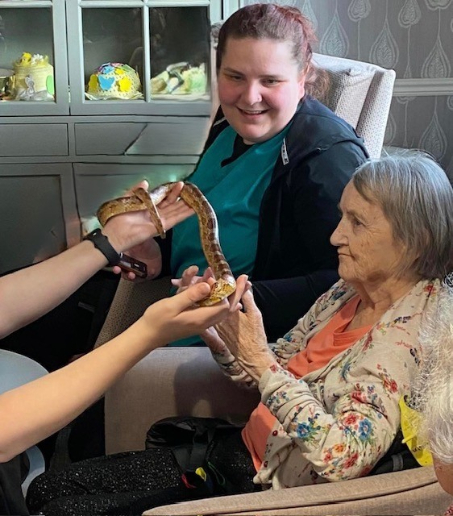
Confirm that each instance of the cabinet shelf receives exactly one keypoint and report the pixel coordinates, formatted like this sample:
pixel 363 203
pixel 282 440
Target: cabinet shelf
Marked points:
pixel 26 3
pixel 46 39
pixel 165 42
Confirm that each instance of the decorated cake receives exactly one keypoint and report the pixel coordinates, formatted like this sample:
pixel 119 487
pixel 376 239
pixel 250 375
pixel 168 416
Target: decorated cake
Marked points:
pixel 180 79
pixel 114 81
pixel 33 78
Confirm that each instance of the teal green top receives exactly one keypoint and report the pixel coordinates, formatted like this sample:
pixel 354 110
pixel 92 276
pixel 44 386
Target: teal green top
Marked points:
pixel 235 191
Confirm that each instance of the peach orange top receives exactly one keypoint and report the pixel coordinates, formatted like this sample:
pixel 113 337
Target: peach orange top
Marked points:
pixel 322 347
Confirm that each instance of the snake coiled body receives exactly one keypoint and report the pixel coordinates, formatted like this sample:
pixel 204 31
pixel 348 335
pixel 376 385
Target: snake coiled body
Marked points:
pixel 225 283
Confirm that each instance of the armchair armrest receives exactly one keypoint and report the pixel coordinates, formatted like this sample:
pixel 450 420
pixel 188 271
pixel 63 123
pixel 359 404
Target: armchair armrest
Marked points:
pixel 414 491
pixel 171 382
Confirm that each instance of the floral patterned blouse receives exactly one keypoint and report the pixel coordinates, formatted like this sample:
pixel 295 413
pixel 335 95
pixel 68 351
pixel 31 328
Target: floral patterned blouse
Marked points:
pixel 335 423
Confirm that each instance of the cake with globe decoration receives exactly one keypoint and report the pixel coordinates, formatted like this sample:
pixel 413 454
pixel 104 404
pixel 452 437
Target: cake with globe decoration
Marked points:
pixel 114 81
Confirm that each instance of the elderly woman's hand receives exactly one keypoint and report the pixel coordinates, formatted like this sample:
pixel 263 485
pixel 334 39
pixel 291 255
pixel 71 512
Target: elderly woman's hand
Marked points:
pixel 243 334
pixel 190 277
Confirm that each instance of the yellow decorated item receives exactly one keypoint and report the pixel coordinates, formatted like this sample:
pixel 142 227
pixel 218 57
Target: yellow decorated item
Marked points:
pixel 33 78
pixel 115 81
pixel 410 424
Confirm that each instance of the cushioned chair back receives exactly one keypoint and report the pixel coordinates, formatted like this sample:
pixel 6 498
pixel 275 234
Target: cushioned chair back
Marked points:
pixel 361 94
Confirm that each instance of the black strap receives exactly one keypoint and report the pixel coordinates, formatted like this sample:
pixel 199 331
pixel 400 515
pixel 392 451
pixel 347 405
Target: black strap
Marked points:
pixel 191 440
pixel 201 441
pixel 101 242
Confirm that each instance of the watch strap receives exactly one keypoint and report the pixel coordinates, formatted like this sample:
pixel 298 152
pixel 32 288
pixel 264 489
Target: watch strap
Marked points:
pixel 101 242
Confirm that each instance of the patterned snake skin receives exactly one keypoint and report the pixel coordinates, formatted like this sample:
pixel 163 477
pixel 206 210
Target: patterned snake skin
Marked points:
pixel 142 200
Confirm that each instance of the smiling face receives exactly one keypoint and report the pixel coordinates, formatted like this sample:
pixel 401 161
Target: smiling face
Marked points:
pixel 259 87
pixel 367 251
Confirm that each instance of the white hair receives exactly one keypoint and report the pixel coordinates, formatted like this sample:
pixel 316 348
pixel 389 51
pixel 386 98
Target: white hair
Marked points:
pixel 417 199
pixel 433 390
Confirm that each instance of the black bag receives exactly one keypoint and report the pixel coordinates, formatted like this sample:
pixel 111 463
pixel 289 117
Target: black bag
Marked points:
pixel 191 440
pixel 397 458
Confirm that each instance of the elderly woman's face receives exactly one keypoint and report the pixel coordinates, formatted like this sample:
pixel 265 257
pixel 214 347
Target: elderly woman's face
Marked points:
pixel 367 251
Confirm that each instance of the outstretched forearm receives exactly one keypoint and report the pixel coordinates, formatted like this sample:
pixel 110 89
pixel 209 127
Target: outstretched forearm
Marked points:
pixel 29 293
pixel 36 410
pixel 343 442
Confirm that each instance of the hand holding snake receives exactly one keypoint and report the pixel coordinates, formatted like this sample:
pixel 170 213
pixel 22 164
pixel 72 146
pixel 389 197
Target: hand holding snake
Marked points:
pixel 133 232
pixel 191 195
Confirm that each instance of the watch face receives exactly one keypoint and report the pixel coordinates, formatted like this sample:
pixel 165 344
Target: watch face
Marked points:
pixel 130 264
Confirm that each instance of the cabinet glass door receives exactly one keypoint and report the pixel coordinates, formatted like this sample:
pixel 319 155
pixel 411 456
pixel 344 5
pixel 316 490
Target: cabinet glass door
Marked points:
pixel 140 56
pixel 111 37
pixel 33 71
pixel 229 6
pixel 179 65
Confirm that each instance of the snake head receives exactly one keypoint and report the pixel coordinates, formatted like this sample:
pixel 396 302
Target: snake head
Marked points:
pixel 221 289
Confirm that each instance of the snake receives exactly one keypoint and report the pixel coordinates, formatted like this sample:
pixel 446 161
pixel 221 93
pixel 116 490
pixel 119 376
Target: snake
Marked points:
pixel 141 199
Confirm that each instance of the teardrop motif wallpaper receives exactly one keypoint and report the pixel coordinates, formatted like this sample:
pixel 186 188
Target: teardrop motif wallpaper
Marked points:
pixel 415 38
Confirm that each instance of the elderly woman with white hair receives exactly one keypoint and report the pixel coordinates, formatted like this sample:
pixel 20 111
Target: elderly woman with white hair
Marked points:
pixel 433 392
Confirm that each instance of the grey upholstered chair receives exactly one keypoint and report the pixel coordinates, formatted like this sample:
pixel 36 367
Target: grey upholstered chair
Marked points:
pixel 186 381
pixel 361 94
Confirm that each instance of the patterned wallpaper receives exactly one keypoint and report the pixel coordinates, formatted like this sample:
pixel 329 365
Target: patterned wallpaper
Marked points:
pixel 415 38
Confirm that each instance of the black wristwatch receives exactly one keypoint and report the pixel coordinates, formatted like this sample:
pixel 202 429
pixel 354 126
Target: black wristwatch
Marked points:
pixel 102 243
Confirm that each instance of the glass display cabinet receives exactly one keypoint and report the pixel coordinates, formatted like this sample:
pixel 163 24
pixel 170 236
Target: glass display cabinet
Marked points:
pixel 33 58
pixel 95 95
pixel 156 53
pixel 140 56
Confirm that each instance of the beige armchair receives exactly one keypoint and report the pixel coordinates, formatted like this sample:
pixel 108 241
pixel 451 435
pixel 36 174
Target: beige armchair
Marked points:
pixel 186 381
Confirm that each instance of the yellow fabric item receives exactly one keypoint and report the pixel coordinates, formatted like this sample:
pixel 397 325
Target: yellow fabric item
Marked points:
pixel 201 473
pixel 410 421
